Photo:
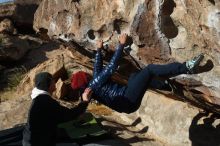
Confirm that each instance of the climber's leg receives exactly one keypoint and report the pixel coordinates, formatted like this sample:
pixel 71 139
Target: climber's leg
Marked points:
pixel 160 84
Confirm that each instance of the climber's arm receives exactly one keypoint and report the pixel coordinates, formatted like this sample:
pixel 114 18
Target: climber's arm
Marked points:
pixel 99 80
pixel 98 59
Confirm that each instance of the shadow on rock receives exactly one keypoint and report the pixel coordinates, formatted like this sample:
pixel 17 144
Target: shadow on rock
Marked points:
pixel 126 133
pixel 205 68
pixel 205 134
pixel 37 56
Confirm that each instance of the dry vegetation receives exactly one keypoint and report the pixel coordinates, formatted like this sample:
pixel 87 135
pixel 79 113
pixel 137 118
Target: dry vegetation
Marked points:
pixel 9 81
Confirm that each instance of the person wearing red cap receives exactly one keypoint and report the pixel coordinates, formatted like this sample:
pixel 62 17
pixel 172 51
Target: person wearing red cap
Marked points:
pixel 79 83
pixel 79 80
pixel 127 98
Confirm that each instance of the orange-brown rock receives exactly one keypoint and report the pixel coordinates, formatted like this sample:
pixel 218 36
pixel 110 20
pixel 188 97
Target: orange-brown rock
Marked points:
pixel 61 63
pixel 161 31
pixel 62 89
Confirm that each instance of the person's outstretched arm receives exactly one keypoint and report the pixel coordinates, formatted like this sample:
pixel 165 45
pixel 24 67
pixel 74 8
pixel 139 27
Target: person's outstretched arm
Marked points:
pixel 63 114
pixel 106 73
pixel 98 59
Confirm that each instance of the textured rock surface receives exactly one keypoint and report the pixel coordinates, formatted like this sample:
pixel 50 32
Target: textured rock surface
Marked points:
pixel 62 89
pixel 163 119
pixel 12 47
pixel 125 135
pixel 7 10
pixel 20 11
pixel 53 66
pixel 81 20
pixel 174 122
pixel 6 26
pixel 198 27
pixel 162 31
pixel 14 112
pixel 60 63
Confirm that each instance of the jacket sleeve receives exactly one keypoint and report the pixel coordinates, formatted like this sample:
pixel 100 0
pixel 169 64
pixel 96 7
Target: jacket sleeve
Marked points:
pixel 98 63
pixel 106 73
pixel 64 114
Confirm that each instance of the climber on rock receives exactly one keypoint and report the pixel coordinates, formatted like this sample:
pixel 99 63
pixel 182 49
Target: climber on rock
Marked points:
pixel 127 98
pixel 46 113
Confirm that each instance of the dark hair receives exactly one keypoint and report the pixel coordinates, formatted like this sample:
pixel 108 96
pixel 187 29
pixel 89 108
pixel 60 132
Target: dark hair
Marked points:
pixel 43 80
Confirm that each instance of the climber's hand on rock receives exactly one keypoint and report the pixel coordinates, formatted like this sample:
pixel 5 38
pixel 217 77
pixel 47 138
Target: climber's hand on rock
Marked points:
pixel 123 38
pixel 86 96
pixel 99 44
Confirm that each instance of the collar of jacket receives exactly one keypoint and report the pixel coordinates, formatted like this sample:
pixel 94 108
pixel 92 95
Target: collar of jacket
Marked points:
pixel 36 92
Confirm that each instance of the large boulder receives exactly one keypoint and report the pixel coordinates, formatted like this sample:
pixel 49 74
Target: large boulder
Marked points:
pixel 86 21
pixel 61 63
pixel 54 66
pixel 162 119
pixel 6 26
pixel 12 48
pixel 20 11
pixel 161 31
pixel 62 89
pixel 14 112
pixel 174 122
pixel 198 32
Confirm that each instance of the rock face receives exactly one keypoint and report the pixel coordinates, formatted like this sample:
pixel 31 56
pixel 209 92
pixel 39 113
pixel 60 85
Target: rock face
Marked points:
pixel 14 112
pixel 61 64
pixel 86 21
pixel 7 10
pixel 53 66
pixel 6 26
pixel 12 47
pixel 62 89
pixel 20 11
pixel 174 122
pixel 161 31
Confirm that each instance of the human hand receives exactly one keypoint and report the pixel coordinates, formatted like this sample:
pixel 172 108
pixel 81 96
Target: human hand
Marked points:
pixel 123 38
pixel 99 44
pixel 86 96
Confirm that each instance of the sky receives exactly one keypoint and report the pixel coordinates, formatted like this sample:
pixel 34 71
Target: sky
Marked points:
pixel 2 1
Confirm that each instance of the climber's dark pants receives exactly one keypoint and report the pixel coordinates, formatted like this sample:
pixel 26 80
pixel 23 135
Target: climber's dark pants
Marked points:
pixel 139 82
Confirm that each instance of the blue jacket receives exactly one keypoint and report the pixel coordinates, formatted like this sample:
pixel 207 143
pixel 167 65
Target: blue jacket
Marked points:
pixel 105 90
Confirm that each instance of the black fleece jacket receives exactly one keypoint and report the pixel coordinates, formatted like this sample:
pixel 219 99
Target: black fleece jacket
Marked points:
pixel 44 115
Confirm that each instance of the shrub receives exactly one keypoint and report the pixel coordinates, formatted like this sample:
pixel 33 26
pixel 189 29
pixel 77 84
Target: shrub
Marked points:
pixel 15 76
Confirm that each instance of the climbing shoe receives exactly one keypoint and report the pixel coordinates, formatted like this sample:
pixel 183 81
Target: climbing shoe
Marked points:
pixel 191 65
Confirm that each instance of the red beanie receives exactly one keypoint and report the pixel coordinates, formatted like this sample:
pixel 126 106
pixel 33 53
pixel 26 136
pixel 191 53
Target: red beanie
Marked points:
pixel 79 80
